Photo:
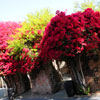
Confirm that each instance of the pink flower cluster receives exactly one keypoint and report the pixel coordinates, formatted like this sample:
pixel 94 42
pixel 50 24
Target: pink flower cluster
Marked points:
pixel 7 63
pixel 19 61
pixel 6 29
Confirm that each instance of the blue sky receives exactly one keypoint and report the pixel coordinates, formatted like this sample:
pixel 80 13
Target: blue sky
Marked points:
pixel 16 10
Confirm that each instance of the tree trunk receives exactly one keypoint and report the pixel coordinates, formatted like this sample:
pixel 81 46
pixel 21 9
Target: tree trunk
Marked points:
pixel 77 73
pixel 18 82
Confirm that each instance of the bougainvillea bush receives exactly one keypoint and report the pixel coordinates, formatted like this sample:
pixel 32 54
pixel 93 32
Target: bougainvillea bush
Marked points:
pixel 70 35
pixel 6 61
pixel 25 44
pixel 71 38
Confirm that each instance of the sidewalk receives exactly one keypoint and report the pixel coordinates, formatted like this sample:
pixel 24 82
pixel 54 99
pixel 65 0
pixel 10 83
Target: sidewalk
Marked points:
pixel 61 95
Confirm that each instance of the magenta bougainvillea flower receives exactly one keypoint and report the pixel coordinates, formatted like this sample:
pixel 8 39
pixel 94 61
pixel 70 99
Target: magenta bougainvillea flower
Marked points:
pixel 7 63
pixel 21 43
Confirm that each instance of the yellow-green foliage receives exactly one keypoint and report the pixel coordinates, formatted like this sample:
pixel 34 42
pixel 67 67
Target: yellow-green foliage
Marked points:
pixel 95 5
pixel 30 34
pixel 39 20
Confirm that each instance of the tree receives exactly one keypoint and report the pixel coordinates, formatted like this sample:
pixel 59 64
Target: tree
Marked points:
pixel 95 5
pixel 69 38
pixel 19 48
pixel 24 47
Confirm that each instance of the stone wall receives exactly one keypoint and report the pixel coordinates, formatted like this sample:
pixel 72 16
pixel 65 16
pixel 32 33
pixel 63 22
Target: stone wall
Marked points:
pixel 47 81
pixel 91 68
pixel 41 84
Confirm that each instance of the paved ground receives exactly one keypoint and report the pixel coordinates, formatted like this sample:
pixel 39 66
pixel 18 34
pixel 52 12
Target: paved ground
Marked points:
pixel 61 95
pixel 3 93
pixel 83 98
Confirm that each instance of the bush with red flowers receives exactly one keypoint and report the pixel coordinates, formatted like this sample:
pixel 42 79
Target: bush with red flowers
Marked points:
pixel 70 35
pixel 7 62
pixel 25 44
